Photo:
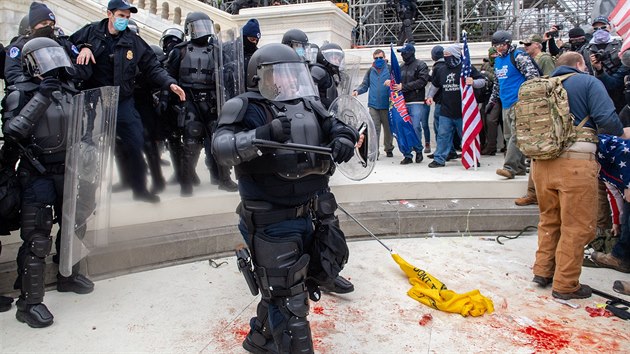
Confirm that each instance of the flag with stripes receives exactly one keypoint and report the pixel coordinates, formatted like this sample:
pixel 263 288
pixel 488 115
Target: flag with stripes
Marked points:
pixel 399 119
pixel 620 17
pixel 470 113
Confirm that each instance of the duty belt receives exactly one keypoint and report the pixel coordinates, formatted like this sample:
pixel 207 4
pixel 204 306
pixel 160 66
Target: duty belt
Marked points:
pixel 201 96
pixel 260 214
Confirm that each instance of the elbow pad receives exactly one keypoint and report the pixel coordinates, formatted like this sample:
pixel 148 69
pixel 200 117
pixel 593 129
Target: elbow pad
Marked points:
pixel 232 149
pixel 20 127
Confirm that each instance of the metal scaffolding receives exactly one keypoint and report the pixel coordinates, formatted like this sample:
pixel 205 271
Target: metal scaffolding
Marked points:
pixel 442 20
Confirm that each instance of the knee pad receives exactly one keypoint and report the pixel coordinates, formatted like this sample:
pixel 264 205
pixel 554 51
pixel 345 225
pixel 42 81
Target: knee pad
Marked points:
pixel 280 265
pixel 33 279
pixel 40 245
pixel 294 335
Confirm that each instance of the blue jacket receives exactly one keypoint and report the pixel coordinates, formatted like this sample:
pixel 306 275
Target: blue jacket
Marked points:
pixel 588 97
pixel 378 97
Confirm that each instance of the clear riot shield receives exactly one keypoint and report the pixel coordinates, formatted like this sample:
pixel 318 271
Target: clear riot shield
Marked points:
pixel 231 71
pixel 88 175
pixel 349 110
pixel 349 74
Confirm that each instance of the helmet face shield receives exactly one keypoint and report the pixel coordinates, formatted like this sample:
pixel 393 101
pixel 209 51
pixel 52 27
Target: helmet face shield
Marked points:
pixel 311 54
pixel 200 28
pixel 285 81
pixel 43 60
pixel 334 56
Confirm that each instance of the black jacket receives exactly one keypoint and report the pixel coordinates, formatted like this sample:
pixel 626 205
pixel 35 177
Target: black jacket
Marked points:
pixel 130 54
pixel 414 78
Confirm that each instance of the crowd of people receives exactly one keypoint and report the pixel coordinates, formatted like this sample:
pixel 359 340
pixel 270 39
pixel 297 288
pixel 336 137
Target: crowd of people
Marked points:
pixel 183 94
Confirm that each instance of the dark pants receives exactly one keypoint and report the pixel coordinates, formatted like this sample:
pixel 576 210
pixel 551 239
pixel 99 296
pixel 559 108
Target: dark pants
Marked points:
pixel 129 130
pixel 621 249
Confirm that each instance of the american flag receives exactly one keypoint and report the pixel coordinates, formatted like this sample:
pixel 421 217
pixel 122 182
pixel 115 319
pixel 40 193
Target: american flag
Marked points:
pixel 620 17
pixel 470 114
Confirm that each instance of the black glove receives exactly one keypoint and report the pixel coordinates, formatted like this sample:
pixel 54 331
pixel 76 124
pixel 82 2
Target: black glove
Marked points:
pixel 342 150
pixel 48 85
pixel 278 130
pixel 489 107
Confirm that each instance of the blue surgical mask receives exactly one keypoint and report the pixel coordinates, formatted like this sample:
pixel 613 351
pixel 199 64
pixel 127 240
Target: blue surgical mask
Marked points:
pixel 120 24
pixel 379 63
pixel 601 36
pixel 301 52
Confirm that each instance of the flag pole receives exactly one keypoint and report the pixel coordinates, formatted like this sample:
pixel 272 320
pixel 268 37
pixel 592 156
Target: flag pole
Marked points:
pixel 365 228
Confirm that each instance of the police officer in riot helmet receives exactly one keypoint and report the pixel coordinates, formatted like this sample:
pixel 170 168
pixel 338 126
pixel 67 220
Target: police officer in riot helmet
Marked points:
pixel 40 22
pixel 298 40
pixel 605 62
pixel 170 38
pixel 279 191
pixel 326 72
pixel 194 63
pixel 36 114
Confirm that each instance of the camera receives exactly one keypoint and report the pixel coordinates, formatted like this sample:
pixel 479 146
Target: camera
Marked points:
pixel 600 54
pixel 554 34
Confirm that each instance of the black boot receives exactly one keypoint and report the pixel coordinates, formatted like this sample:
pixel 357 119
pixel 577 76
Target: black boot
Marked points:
pixel 259 338
pixel 225 182
pixel 35 315
pixel 340 286
pixel 76 283
pixel 5 303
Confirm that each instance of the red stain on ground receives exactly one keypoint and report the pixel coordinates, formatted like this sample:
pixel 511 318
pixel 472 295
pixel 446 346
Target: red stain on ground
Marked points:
pixel 426 318
pixel 241 332
pixel 546 340
pixel 598 312
pixel 318 310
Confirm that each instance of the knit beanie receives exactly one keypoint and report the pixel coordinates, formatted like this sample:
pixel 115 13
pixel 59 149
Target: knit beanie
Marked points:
pixel 455 50
pixel 576 32
pixel 437 53
pixel 251 29
pixel 38 13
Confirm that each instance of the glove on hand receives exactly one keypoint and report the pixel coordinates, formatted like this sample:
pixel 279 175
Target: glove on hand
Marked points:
pixel 48 85
pixel 278 130
pixel 342 150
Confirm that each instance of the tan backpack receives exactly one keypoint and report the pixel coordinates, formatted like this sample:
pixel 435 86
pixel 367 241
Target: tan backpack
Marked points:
pixel 544 124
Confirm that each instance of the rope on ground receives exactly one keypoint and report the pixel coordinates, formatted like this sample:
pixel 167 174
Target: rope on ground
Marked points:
pixel 214 264
pixel 527 228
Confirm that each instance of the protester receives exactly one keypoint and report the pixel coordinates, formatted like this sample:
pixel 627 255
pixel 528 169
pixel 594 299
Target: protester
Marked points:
pixel 449 80
pixel 491 120
pixel 251 37
pixel 512 67
pixel 567 203
pixel 414 78
pixel 378 98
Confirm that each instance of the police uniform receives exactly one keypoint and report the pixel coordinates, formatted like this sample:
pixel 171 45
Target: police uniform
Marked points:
pixel 279 192
pixel 195 65
pixel 118 59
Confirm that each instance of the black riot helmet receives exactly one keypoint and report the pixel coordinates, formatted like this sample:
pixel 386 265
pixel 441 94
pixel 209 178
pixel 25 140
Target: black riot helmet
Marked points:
pixel 296 39
pixel 331 55
pixel 42 55
pixel 501 37
pixel 198 25
pixel 24 28
pixel 133 27
pixel 169 35
pixel 279 74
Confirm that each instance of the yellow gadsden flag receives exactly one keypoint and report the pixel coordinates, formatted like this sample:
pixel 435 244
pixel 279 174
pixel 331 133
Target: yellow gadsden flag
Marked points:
pixel 431 292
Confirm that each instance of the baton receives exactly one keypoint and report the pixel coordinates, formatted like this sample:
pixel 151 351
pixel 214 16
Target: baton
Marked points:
pixel 292 146
pixel 365 228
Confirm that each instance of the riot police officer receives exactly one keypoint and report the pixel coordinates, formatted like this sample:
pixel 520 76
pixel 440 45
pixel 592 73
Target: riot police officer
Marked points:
pixel 298 40
pixel 170 38
pixel 195 65
pixel 41 23
pixel 279 189
pixel 36 117
pixel 326 72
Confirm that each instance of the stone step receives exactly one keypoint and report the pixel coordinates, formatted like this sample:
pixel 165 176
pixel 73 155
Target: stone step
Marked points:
pixel 139 247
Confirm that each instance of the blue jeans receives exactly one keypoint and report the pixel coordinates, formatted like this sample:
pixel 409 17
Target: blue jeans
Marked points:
pixel 621 249
pixel 420 118
pixel 445 137
pixel 436 119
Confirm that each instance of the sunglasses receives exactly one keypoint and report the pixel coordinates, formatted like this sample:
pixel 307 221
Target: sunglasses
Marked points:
pixel 379 58
pixel 605 28
pixel 527 44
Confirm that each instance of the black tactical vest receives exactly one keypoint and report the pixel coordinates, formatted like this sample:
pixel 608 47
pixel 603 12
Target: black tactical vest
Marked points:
pixel 198 67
